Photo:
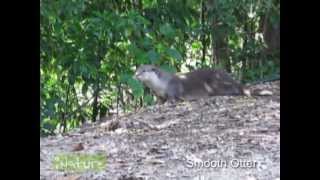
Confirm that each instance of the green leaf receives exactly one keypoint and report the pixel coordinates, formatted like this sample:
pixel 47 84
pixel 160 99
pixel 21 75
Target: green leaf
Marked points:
pixel 148 3
pixel 196 45
pixel 147 42
pixel 148 99
pixel 167 30
pixel 136 86
pixel 138 54
pixel 84 89
pixel 174 54
pixel 160 47
pixel 168 68
pixel 153 56
pixel 124 78
pixel 142 58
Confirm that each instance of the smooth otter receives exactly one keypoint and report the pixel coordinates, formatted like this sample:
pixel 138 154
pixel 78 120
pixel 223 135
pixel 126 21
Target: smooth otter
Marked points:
pixel 188 86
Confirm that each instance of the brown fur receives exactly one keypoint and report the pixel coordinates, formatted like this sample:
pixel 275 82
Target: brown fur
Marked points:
pixel 188 86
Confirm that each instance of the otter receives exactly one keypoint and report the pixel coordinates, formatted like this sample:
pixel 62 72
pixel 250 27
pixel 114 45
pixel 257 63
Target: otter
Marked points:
pixel 189 86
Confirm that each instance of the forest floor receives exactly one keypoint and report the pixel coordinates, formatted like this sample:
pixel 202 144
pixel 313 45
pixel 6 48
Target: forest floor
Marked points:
pixel 217 138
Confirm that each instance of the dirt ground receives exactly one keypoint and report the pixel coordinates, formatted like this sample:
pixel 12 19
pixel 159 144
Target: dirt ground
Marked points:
pixel 227 138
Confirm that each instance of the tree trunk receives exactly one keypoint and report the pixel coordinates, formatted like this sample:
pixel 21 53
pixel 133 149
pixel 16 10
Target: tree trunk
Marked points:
pixel 95 104
pixel 220 51
pixel 245 44
pixel 203 35
pixel 271 35
pixel 96 93
pixel 64 114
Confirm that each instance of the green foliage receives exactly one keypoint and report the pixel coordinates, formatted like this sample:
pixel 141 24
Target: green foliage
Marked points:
pixel 173 53
pixel 136 86
pixel 90 49
pixel 149 99
pixel 167 30
pixel 153 56
pixel 168 68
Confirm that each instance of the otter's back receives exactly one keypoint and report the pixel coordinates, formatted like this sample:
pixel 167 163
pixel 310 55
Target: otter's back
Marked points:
pixel 207 82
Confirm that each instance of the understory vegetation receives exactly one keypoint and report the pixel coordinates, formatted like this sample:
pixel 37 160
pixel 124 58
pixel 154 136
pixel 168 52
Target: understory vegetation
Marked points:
pixel 89 50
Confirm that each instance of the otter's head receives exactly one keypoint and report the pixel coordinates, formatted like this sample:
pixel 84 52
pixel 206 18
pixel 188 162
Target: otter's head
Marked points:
pixel 154 78
pixel 147 73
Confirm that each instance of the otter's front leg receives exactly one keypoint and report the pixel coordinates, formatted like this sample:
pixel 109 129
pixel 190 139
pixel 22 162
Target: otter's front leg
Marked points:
pixel 174 92
pixel 174 98
pixel 160 100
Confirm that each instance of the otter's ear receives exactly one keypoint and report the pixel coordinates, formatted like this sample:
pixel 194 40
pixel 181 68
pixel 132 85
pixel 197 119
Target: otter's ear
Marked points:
pixel 155 70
